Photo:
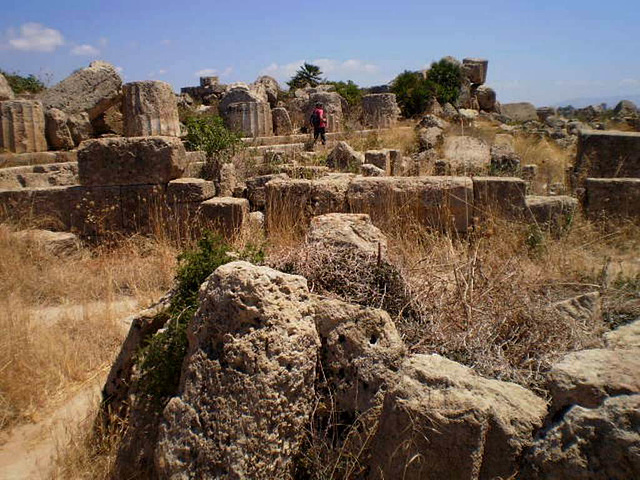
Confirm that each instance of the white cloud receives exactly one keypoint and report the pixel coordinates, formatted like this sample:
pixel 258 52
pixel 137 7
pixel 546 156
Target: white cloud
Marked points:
pixel 211 72
pixel 35 37
pixel 103 41
pixel 158 73
pixel 85 50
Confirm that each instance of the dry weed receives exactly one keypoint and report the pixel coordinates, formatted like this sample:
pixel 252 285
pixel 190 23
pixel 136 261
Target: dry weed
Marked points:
pixel 552 160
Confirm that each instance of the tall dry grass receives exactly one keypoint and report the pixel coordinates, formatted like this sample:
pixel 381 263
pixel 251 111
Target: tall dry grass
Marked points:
pixel 46 350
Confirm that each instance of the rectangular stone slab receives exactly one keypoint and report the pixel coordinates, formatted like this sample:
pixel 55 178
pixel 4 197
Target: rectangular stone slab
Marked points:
pixel 130 161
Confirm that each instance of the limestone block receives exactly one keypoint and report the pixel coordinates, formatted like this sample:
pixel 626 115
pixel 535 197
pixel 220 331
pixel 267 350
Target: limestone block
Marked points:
pixel 131 161
pixel 475 69
pixel 379 158
pixel 247 385
pixel 256 190
pixel 467 155
pixel 281 121
pixel 150 108
pixel 552 212
pixel 380 110
pixel 627 336
pixel 226 214
pixel 187 190
pixel 353 231
pixel 600 444
pixel 606 154
pixel 271 88
pixel 588 377
pixel 55 243
pixel 441 420
pixel 438 202
pixel 519 112
pixel 251 119
pixel 486 97
pixel 361 350
pixel 242 93
pixel 612 197
pixel 22 126
pixel 333 107
pixel 227 181
pixel 545 112
pixel 92 90
pixel 5 89
pixel 344 158
pixel 503 196
pixel 625 108
pixel 430 138
pixel 56 129
pixel 370 170
pixel 80 127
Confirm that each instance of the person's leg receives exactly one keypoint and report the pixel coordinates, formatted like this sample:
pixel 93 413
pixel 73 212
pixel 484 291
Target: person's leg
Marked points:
pixel 316 132
pixel 323 135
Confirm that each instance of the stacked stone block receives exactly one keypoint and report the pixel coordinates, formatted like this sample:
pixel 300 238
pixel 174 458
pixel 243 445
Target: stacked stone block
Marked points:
pixel 150 108
pixel 22 126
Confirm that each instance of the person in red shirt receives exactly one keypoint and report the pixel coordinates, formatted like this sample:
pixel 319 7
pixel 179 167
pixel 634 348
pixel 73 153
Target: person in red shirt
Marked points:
pixel 319 123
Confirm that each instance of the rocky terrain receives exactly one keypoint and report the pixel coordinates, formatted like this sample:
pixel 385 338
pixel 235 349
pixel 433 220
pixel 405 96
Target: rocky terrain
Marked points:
pixel 451 295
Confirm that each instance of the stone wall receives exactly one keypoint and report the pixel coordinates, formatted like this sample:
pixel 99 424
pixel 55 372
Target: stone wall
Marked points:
pixel 22 126
pixel 380 110
pixel 150 108
pixel 251 119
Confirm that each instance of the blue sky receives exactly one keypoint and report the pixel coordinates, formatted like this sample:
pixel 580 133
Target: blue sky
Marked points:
pixel 538 51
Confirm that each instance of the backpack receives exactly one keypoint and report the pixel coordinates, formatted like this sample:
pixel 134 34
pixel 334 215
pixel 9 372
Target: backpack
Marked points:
pixel 315 119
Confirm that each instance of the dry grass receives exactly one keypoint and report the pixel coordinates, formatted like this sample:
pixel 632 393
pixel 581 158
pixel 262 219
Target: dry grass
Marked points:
pixel 552 160
pixel 42 359
pixel 401 137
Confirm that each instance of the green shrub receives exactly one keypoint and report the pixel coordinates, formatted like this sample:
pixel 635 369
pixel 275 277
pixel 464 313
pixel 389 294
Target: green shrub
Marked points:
pixel 160 360
pixel 349 91
pixel 446 76
pixel 413 92
pixel 21 84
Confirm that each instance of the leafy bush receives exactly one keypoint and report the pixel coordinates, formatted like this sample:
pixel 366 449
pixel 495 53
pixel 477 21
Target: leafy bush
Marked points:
pixel 349 91
pixel 307 76
pixel 209 134
pixel 21 84
pixel 446 76
pixel 161 359
pixel 413 91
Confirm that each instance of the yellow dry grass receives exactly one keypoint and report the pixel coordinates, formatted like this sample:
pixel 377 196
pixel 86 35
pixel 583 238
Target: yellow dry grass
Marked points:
pixel 43 356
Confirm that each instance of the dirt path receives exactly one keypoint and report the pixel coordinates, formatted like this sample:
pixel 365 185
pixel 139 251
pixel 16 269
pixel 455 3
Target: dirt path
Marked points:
pixel 27 452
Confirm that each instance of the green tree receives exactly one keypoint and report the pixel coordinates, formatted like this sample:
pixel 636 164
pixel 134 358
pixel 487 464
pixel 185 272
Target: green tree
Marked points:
pixel 307 75
pixel 446 76
pixel 22 84
pixel 413 91
pixel 349 91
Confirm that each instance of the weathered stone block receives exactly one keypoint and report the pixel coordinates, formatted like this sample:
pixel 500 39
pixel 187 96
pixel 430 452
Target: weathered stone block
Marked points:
pixel 256 190
pixel 467 155
pixel 475 69
pixel 5 89
pixel 554 212
pixel 612 197
pixel 187 190
pixel 606 154
pixel 344 158
pixel 58 133
pixel 226 214
pixel 150 108
pixel 504 196
pixel 144 207
pixel 519 112
pixel 22 126
pixel 281 121
pixel 379 158
pixel 92 90
pixel 380 110
pixel 438 202
pixel 130 161
pixel 251 119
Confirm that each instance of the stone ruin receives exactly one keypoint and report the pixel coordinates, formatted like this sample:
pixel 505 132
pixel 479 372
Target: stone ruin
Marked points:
pixel 380 110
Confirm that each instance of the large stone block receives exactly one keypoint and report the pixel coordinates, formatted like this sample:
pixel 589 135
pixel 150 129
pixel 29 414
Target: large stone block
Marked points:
pixel 606 154
pixel 131 161
pixel 343 157
pixel 187 190
pixel 475 69
pixel 251 119
pixel 519 112
pixel 150 108
pixel 48 208
pixel 442 420
pixel 486 97
pixel 247 384
pixel 504 196
pixel 380 110
pixel 438 202
pixel 552 212
pixel 256 190
pixel 379 158
pixel 281 121
pixel 467 155
pixel 144 208
pixel 58 134
pixel 612 197
pixel 39 176
pixel 22 126
pixel 227 215
pixel 92 90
